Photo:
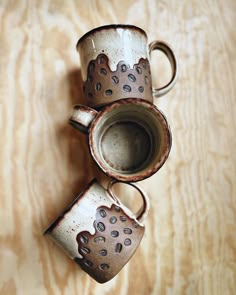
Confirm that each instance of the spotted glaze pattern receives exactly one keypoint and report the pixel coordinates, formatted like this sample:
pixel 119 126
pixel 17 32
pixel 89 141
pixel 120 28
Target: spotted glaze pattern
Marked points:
pixel 80 216
pixel 122 47
pixel 109 249
pixel 119 43
pixel 103 85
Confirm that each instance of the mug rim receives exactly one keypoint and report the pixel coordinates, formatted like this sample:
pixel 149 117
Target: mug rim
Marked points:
pixel 108 27
pixel 142 175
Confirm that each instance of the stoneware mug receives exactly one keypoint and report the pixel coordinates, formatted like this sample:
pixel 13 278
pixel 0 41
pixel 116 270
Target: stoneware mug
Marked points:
pixel 99 232
pixel 129 139
pixel 115 64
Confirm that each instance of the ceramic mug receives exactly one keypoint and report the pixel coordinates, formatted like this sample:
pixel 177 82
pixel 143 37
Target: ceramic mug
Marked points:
pixel 115 64
pixel 129 139
pixel 99 232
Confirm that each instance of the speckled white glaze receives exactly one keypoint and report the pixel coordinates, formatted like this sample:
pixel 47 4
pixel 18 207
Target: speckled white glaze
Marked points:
pixel 81 216
pixel 118 43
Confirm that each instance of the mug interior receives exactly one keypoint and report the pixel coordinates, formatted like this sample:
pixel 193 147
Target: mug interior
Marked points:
pixel 131 141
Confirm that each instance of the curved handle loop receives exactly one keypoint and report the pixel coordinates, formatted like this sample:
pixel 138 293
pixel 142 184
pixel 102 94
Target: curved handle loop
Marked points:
pixel 142 212
pixel 82 117
pixel 165 48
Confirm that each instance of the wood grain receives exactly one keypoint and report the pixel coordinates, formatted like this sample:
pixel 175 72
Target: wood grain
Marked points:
pixel 189 245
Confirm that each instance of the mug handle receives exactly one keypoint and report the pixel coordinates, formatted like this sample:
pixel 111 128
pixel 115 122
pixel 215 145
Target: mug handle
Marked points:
pixel 142 212
pixel 82 117
pixel 165 48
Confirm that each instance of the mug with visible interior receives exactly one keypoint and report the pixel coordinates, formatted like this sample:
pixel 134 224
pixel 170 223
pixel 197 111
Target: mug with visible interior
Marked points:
pixel 129 139
pixel 98 232
pixel 115 64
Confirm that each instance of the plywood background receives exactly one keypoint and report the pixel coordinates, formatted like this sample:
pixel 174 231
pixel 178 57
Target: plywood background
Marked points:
pixel 189 245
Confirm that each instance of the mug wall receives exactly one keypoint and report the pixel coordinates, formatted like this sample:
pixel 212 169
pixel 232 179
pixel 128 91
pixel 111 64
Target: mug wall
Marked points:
pixel 115 64
pixel 98 232
pixel 117 43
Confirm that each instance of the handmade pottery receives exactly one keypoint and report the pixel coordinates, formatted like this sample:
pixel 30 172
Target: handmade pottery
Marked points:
pixel 99 232
pixel 129 139
pixel 115 64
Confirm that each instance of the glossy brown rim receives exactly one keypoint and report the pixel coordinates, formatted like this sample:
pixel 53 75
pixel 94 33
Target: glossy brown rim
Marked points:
pixel 107 27
pixel 149 172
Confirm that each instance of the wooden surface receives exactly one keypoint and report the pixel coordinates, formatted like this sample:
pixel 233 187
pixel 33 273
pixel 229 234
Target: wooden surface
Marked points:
pixel 189 245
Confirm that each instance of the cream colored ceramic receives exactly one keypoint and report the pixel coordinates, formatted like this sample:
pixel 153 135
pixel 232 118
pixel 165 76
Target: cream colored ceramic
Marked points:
pixel 115 64
pixel 129 139
pixel 98 232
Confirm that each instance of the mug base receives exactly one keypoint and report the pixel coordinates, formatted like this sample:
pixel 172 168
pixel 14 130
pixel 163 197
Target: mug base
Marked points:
pixel 125 146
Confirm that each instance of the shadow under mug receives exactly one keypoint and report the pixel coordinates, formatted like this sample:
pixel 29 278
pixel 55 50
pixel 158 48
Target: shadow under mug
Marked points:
pixel 129 139
pixel 98 232
pixel 115 64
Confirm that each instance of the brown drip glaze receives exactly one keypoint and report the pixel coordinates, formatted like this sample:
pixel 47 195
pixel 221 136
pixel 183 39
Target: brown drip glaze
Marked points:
pixel 103 86
pixel 116 239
